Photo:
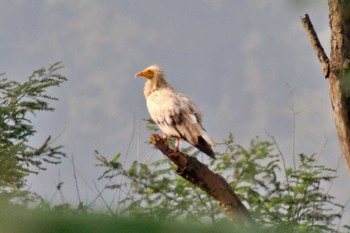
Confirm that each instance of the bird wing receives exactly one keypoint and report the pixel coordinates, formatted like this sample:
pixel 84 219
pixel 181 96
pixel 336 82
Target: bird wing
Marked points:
pixel 175 115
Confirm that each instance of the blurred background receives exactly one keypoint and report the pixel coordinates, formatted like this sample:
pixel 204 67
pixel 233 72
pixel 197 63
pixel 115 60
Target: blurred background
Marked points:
pixel 248 65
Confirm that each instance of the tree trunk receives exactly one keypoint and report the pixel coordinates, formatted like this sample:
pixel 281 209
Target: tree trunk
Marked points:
pixel 339 77
pixel 337 68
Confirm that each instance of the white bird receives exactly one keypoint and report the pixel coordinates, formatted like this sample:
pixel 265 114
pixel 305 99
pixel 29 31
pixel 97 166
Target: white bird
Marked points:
pixel 175 114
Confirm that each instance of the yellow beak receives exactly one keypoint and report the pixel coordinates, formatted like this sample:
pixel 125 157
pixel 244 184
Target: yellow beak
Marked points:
pixel 139 74
pixel 145 74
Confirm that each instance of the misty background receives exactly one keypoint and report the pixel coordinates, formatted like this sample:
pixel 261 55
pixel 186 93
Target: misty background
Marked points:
pixel 248 65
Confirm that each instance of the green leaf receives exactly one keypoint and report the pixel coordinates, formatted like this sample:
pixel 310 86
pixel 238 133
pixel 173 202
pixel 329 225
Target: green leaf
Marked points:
pixel 116 157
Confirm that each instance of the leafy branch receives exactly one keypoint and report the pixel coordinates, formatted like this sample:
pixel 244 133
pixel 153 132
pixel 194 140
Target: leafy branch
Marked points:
pixel 18 102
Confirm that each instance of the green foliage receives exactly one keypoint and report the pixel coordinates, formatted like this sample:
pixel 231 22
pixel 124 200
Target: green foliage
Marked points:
pixel 64 209
pixel 19 220
pixel 19 102
pixel 275 194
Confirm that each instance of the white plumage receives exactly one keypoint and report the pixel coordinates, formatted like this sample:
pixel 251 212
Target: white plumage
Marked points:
pixel 175 114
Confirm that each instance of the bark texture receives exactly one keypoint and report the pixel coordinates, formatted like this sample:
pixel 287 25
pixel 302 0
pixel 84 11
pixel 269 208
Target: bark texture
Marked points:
pixel 213 184
pixel 311 33
pixel 339 77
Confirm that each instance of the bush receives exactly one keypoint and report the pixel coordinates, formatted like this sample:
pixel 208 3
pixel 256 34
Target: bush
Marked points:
pixel 20 101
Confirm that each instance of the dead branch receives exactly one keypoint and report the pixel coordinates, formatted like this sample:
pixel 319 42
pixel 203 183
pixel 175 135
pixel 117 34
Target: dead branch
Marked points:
pixel 322 56
pixel 213 184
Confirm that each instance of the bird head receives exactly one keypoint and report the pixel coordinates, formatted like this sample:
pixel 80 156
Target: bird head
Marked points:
pixel 150 72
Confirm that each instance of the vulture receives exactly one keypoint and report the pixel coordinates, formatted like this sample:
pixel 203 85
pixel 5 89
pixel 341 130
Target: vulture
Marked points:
pixel 175 114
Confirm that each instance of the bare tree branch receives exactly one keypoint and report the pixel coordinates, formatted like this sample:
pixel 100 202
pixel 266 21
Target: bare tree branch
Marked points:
pixel 213 184
pixel 322 56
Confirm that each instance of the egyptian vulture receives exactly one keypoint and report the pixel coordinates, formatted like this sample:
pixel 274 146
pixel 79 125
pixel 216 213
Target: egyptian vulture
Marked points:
pixel 175 114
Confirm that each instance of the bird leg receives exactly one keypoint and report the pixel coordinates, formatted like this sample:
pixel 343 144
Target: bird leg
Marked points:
pixel 177 143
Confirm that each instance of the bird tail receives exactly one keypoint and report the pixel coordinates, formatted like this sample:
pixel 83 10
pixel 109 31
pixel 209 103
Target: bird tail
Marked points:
pixel 205 147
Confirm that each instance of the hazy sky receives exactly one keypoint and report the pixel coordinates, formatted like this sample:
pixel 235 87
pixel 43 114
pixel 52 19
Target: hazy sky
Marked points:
pixel 245 63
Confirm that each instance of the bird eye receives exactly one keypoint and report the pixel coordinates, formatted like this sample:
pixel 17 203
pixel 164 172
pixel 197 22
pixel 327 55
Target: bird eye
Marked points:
pixel 150 71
